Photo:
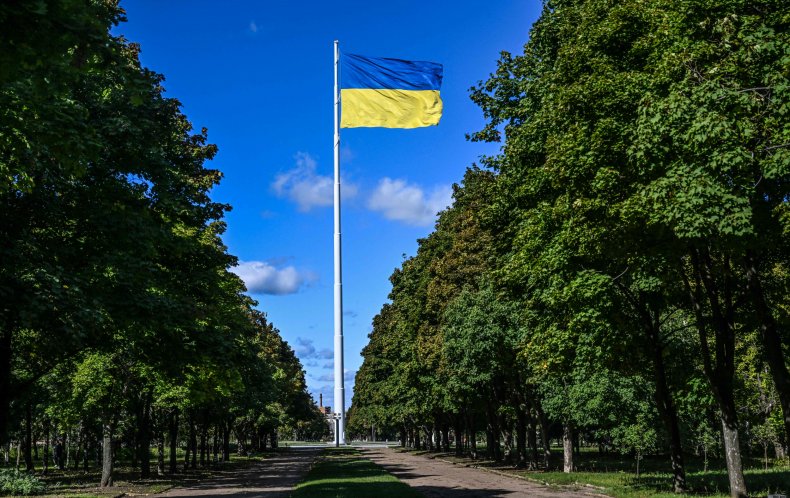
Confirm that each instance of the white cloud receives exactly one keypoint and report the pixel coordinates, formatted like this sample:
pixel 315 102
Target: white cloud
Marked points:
pixel 306 188
pixel 306 350
pixel 347 154
pixel 400 201
pixel 253 27
pixel 348 376
pixel 263 278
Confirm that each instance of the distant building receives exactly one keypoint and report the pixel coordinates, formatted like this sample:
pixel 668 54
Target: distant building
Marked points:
pixel 325 410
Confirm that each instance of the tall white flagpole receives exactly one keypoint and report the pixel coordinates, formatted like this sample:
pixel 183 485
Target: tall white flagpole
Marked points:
pixel 340 397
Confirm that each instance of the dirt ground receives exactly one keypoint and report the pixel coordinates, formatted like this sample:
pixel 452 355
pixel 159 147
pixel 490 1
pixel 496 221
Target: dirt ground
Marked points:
pixel 438 479
pixel 273 478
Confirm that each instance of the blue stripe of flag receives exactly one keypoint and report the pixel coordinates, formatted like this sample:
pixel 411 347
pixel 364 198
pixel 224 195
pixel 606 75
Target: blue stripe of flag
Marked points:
pixel 394 74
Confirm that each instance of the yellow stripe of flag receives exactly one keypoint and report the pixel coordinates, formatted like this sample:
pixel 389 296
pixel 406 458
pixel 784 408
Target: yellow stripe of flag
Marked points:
pixel 366 107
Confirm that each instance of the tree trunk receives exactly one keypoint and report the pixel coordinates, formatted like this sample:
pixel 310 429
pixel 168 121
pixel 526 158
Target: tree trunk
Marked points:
pixel 732 453
pixel 215 445
pixel 189 442
pixel 507 438
pixel 459 431
pixel 160 453
pixel 193 442
pixel 174 441
pixel 241 449
pixel 428 440
pixel 532 440
pixel 5 379
pixel 46 446
pixel 567 447
pixel 107 457
pixel 66 448
pixel 667 410
pixel 144 437
pixel 226 442
pixel 772 343
pixel 719 368
pixel 445 430
pixel 79 447
pixel 492 434
pixel 521 437
pixel 544 433
pixel 472 435
pixel 489 442
pixel 28 439
pixel 203 446
pixel 638 460
pixel 403 436
pixel 85 456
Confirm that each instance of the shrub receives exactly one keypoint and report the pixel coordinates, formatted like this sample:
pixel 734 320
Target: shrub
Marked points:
pixel 13 482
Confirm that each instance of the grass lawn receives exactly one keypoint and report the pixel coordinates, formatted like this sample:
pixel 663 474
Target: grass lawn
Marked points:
pixel 343 472
pixel 615 475
pixel 711 484
pixel 80 484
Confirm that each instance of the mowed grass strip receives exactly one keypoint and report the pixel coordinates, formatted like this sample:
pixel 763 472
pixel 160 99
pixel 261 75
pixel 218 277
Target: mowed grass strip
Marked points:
pixel 345 473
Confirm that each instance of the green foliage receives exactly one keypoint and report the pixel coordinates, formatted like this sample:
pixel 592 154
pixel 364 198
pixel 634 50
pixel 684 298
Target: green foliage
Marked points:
pixel 628 276
pixel 121 317
pixel 13 482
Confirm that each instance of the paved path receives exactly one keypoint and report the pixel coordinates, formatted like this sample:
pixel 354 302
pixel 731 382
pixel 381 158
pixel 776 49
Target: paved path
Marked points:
pixel 438 479
pixel 275 477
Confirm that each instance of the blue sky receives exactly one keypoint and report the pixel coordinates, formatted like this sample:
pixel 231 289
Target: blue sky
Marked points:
pixel 259 76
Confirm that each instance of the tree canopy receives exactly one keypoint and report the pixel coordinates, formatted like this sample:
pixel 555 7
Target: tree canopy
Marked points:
pixel 121 319
pixel 620 264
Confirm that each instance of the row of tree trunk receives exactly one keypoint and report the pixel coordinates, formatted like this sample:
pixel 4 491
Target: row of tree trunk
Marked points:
pixel 207 441
pixel 521 446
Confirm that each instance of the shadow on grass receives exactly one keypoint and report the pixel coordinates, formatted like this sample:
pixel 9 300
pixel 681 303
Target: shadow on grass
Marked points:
pixel 387 490
pixel 616 474
pixel 775 481
pixel 343 473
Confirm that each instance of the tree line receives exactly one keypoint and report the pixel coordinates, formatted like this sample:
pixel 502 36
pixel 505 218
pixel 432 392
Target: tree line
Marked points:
pixel 122 328
pixel 619 271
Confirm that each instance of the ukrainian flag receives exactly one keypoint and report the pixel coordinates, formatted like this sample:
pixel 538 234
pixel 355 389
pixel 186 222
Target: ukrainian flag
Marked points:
pixel 389 93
